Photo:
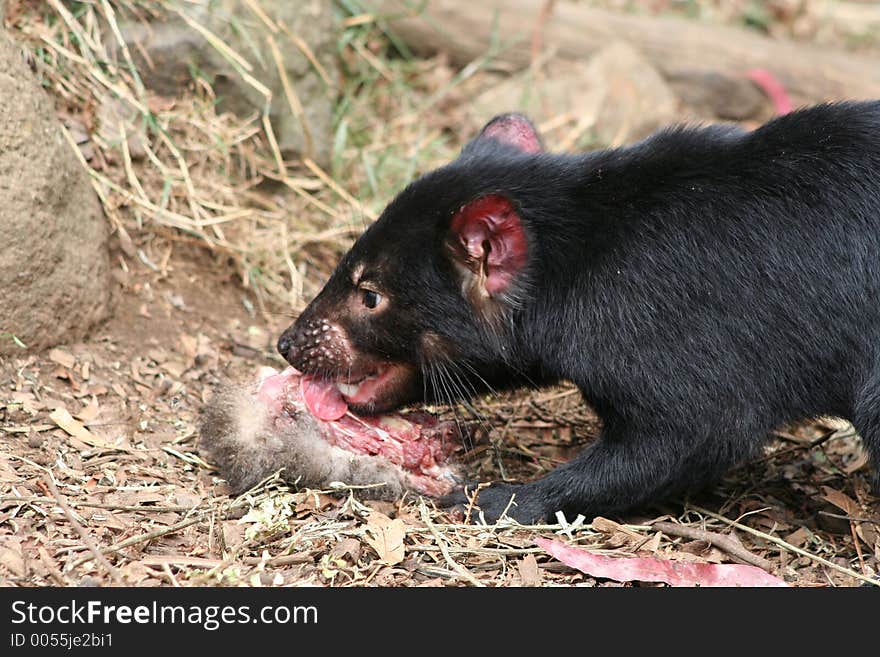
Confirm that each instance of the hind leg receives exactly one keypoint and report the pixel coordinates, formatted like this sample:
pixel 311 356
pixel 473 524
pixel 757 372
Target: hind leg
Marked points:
pixel 866 420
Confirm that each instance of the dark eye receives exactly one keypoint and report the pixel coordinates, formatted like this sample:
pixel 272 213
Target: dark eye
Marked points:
pixel 371 299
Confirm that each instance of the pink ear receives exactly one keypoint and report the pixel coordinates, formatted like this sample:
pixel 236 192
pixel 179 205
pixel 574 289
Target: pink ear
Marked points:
pixel 514 130
pixel 492 241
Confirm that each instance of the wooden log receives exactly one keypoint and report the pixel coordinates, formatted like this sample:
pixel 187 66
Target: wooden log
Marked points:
pixel 680 48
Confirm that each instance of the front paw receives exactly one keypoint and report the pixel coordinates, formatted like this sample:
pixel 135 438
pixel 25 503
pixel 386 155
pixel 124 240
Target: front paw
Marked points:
pixel 495 501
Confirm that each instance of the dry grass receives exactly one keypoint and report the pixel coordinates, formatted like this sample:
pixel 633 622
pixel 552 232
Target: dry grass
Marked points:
pixel 219 179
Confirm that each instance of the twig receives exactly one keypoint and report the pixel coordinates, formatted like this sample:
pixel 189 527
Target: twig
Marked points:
pixel 260 13
pixel 167 569
pixel 239 63
pixel 304 48
pixel 83 534
pixel 273 145
pixel 201 562
pixel 99 505
pixel 149 536
pixel 110 16
pixel 855 536
pixel 180 560
pixel 538 31
pixel 457 567
pixel 51 567
pixel 722 542
pixel 824 438
pixel 281 560
pixel 787 546
pixel 332 184
pixel 843 516
pixel 292 99
pixel 472 499
pixel 487 551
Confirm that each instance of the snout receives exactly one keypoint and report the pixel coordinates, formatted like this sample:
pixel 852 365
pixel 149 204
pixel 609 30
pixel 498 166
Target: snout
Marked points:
pixel 315 345
pixel 337 370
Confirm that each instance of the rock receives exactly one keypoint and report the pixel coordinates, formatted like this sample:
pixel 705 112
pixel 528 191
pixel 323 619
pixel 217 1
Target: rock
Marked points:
pixel 115 117
pixel 713 94
pixel 176 49
pixel 833 21
pixel 166 54
pixel 53 237
pixel 614 97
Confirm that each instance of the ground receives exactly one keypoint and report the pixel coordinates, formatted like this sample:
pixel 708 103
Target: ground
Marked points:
pixel 101 481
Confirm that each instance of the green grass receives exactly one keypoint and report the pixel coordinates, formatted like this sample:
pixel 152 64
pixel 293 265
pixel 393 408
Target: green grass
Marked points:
pixel 14 339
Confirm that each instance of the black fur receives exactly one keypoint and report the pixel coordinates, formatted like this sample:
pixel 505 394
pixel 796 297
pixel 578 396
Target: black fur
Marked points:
pixel 700 287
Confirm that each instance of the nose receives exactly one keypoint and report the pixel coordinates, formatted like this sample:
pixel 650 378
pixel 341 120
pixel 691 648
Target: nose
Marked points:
pixel 285 343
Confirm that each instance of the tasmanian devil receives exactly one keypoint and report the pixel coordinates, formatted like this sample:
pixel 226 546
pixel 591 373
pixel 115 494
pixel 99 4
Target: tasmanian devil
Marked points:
pixel 700 287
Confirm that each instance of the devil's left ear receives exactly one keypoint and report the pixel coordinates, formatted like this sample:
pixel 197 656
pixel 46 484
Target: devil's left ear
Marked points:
pixel 487 246
pixel 512 129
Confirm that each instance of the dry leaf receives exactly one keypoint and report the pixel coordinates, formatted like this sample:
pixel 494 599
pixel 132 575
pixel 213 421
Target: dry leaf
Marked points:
pixel 64 419
pixel 8 474
pixel 528 571
pixel 385 536
pixel 63 358
pixel 175 368
pixel 841 500
pixel 653 544
pixel 865 530
pixel 89 412
pixel 650 569
pixel 108 519
pixel 799 537
pixel 28 401
pixel 158 355
pixel 149 497
pixel 703 551
pixel 313 501
pixel 859 462
pixel 186 499
pixel 347 546
pixel 617 534
pixel 610 527
pixel 13 561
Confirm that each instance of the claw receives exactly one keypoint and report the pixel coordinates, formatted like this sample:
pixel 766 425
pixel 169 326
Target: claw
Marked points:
pixel 491 503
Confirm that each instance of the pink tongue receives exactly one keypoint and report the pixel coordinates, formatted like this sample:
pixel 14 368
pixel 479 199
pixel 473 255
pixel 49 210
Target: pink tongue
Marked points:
pixel 323 398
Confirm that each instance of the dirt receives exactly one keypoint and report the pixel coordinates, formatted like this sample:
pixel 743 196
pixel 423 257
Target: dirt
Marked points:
pixel 128 470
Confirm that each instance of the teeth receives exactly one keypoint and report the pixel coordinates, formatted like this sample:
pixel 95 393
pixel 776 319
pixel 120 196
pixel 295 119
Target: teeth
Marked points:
pixel 348 389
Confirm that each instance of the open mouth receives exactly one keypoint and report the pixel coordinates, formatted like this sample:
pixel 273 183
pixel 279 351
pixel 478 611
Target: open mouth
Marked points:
pixel 362 391
pixel 329 399
pixel 416 442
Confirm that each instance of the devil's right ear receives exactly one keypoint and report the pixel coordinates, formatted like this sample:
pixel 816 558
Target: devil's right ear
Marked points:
pixel 488 249
pixel 511 129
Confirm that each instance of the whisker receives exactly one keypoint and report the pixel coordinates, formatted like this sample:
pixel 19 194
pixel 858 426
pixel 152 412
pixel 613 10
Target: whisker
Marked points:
pixel 465 391
pixel 470 391
pixel 444 388
pixel 473 370
pixel 423 368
